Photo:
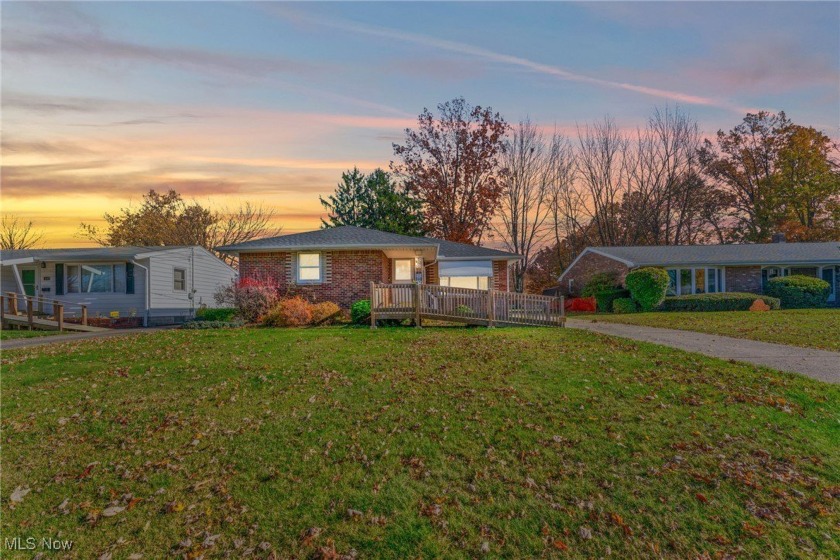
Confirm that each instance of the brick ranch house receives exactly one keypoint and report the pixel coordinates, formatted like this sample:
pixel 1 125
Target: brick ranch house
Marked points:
pixel 338 264
pixel 698 269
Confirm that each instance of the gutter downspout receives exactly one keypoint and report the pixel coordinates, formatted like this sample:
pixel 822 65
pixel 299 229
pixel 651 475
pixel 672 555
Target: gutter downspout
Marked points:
pixel 17 279
pixel 148 291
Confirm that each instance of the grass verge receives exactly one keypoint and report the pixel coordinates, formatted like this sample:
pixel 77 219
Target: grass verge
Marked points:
pixel 405 443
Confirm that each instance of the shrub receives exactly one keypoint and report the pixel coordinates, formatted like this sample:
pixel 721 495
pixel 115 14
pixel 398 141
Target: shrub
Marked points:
pixel 464 309
pixel 582 304
pixel 252 297
pixel 217 314
pixel 625 305
pixel 799 291
pixel 201 325
pixel 600 282
pixel 605 299
pixel 647 286
pixel 324 312
pixel 289 312
pixel 360 312
pixel 727 301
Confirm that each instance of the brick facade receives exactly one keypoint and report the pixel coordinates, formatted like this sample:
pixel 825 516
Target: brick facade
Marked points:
pixel 575 278
pixel 743 279
pixel 500 276
pixel 347 274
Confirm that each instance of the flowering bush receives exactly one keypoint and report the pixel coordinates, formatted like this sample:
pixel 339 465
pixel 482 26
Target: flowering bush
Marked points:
pixel 289 312
pixel 584 304
pixel 321 312
pixel 252 297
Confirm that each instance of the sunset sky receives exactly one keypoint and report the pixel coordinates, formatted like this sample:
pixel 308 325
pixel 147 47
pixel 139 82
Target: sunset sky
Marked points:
pixel 270 102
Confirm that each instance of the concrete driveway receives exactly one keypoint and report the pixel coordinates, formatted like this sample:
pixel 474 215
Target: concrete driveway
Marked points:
pixel 816 364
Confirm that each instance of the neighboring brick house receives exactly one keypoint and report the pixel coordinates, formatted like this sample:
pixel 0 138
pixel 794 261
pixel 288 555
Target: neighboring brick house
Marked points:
pixel 338 264
pixel 696 269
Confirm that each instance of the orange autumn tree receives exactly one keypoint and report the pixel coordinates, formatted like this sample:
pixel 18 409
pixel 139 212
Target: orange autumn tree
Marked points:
pixel 452 163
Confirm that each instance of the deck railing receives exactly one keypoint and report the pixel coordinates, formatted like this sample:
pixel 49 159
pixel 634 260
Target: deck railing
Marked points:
pixel 487 307
pixel 59 311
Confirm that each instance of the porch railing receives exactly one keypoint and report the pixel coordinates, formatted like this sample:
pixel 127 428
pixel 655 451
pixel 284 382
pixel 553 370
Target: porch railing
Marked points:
pixel 33 307
pixel 487 307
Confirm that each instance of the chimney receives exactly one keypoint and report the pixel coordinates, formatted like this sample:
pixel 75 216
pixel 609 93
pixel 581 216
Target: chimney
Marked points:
pixel 778 237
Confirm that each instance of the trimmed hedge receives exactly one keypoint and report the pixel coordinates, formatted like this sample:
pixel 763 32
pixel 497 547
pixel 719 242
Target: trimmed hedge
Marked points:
pixel 605 299
pixel 201 325
pixel 799 291
pixel 727 301
pixel 648 286
pixel 217 314
pixel 624 305
pixel 600 282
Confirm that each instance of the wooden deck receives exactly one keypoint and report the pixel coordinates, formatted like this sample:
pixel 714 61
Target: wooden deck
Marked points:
pixel 461 305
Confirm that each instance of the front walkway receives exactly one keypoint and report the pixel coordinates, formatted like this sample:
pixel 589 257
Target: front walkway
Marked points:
pixel 817 364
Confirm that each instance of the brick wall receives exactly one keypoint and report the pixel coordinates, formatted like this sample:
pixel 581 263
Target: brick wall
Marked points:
pixel 500 276
pixel 585 267
pixel 743 279
pixel 432 274
pixel 352 273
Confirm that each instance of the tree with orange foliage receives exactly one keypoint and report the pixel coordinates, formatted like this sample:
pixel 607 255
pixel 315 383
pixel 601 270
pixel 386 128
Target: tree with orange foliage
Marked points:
pixel 452 162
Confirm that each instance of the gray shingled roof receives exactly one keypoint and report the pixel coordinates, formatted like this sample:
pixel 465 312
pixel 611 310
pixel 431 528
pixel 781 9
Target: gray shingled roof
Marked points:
pixel 81 253
pixel 352 237
pixel 764 254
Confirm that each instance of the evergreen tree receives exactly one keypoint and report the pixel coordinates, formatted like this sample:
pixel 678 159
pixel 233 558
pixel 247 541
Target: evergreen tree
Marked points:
pixel 374 201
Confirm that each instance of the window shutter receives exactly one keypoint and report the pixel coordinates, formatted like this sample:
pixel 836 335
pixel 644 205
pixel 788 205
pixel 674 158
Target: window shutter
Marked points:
pixel 291 268
pixel 326 267
pixel 129 278
pixel 59 279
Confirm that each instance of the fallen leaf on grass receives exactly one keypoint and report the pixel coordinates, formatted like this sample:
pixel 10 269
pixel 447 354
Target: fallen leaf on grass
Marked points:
pixel 18 494
pixel 112 511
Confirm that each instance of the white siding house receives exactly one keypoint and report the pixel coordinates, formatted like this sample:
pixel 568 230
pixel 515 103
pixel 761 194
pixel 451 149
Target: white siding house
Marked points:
pixel 158 285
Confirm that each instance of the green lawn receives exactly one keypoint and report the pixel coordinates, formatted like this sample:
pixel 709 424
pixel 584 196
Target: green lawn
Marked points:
pixel 15 334
pixel 812 328
pixel 415 443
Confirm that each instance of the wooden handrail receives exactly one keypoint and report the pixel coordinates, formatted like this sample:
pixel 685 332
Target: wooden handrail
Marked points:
pixel 489 307
pixel 57 304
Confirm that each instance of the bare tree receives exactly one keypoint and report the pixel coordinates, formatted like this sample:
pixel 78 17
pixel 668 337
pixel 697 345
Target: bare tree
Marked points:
pixel 525 205
pixel 567 203
pixel 18 234
pixel 239 225
pixel 602 168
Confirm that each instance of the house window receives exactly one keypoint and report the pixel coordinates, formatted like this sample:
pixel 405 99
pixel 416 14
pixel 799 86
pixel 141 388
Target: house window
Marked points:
pixel 309 267
pixel 770 272
pixel 685 281
pixel 95 278
pixel 672 282
pixel 403 270
pixel 180 280
pixel 472 282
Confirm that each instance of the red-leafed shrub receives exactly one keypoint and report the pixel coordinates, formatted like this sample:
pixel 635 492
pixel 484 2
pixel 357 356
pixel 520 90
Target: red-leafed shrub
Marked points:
pixel 583 304
pixel 290 312
pixel 252 297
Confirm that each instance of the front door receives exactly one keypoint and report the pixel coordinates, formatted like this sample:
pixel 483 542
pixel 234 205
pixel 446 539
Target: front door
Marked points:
pixel 27 278
pixel 828 276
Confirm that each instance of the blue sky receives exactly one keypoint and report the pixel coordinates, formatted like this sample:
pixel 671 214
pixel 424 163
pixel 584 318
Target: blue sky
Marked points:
pixel 271 101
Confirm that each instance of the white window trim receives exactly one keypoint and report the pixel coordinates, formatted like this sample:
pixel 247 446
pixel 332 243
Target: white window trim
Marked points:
pixel 320 279
pixel 720 283
pixel 174 271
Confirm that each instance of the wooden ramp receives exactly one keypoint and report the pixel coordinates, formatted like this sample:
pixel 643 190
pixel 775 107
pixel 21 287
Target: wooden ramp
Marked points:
pixel 46 324
pixel 27 317
pixel 462 305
